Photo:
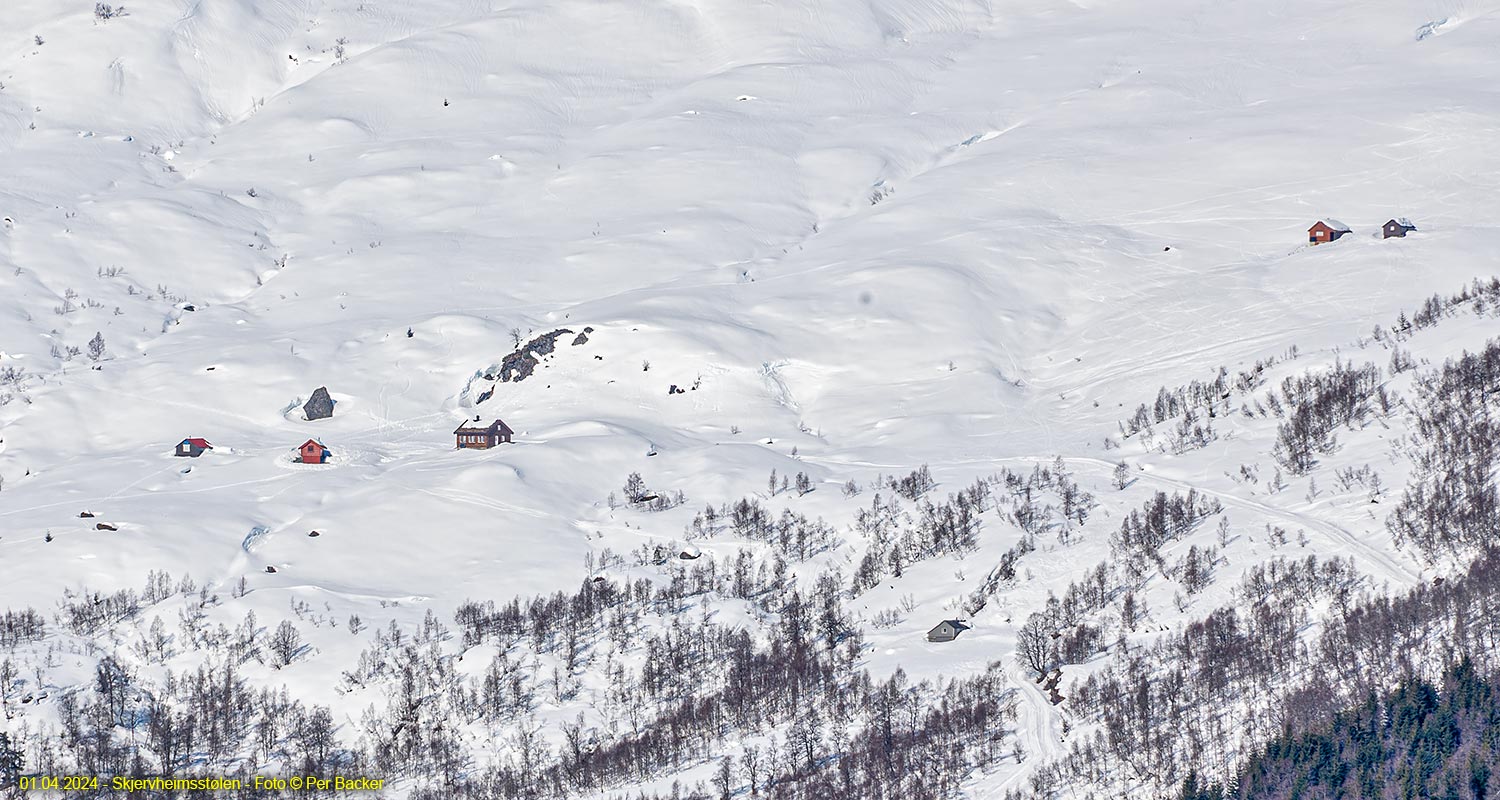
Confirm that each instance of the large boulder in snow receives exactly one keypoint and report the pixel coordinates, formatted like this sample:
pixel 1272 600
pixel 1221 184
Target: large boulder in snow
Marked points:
pixel 320 406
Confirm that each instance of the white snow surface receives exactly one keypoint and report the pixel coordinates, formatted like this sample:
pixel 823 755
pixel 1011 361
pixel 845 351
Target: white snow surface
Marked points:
pixel 878 232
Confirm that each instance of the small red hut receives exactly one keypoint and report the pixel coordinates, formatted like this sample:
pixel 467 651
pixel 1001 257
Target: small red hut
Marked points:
pixel 1326 230
pixel 313 452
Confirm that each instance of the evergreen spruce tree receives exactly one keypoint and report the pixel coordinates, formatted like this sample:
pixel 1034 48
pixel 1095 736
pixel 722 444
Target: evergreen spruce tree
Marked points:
pixel 12 761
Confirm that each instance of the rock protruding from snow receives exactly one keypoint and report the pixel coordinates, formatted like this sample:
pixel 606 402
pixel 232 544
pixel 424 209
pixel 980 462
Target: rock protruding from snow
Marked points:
pixel 320 405
pixel 519 365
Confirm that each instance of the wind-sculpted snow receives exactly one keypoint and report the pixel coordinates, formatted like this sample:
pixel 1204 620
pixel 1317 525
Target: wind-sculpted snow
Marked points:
pixel 858 237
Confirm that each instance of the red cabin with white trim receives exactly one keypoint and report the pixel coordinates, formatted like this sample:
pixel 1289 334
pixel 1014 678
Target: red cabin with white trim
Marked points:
pixel 313 452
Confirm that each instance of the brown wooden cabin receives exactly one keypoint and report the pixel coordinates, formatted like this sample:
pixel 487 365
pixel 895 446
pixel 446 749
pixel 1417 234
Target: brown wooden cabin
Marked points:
pixel 1396 228
pixel 473 436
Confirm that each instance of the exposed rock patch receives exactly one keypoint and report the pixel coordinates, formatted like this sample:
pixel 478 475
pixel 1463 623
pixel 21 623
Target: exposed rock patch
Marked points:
pixel 519 365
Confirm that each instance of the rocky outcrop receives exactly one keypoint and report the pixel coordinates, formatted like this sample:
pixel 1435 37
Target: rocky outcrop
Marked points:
pixel 320 405
pixel 519 365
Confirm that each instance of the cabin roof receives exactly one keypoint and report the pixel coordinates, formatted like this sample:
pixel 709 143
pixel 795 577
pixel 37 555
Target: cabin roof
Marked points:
pixel 498 426
pixel 1334 224
pixel 198 441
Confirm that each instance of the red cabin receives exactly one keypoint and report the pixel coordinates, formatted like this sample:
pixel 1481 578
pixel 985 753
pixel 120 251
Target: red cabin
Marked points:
pixel 313 452
pixel 1326 230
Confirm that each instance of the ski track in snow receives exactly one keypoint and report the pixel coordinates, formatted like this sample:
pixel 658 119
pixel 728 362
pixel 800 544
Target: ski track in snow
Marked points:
pixel 1040 726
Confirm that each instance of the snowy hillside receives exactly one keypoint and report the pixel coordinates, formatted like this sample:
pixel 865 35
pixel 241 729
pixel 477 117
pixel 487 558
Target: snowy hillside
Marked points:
pixel 861 237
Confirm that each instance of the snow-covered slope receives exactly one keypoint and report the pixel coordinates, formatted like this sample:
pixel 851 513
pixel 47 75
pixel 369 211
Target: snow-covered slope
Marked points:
pixel 863 235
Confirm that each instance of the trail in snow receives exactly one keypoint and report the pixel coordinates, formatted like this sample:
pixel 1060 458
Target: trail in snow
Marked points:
pixel 1039 727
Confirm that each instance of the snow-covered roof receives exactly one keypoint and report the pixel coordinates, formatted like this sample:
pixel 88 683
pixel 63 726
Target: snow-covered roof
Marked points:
pixel 1335 224
pixel 498 426
pixel 1403 222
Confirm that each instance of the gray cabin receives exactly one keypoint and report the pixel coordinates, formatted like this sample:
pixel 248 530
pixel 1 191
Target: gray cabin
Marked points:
pixel 193 447
pixel 320 405
pixel 1396 228
pixel 946 631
